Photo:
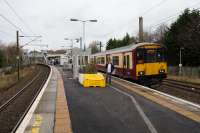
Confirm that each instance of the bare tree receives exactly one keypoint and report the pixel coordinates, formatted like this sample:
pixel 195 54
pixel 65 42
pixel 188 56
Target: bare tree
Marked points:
pixel 158 35
pixel 95 47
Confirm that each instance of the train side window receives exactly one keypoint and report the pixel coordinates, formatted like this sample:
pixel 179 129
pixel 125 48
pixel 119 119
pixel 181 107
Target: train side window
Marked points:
pixel 98 60
pixel 115 60
pixel 102 60
pixel 140 56
pixel 160 54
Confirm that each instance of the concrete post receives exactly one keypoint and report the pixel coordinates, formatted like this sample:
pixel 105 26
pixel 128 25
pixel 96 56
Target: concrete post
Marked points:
pixel 140 29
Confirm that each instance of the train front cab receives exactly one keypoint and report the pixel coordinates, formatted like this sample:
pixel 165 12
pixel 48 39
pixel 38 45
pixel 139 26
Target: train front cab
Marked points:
pixel 151 63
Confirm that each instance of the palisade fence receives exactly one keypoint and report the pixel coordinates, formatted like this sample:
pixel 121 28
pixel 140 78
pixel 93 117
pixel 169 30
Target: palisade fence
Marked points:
pixel 7 70
pixel 191 72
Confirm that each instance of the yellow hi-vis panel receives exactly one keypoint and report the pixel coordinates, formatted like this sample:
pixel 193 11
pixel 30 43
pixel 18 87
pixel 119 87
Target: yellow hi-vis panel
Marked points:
pixel 151 68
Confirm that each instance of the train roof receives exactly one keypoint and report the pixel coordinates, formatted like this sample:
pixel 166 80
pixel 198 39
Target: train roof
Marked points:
pixel 123 49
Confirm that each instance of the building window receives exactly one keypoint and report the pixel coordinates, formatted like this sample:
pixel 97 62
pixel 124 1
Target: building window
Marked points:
pixel 115 60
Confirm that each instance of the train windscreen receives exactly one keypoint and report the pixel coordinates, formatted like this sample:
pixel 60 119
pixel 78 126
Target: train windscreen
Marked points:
pixel 150 55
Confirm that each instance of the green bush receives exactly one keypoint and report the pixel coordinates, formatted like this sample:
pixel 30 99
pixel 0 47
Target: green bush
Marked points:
pixel 89 69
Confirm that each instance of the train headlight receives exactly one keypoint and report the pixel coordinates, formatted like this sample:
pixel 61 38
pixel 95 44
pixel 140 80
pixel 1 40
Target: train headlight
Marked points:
pixel 141 73
pixel 162 71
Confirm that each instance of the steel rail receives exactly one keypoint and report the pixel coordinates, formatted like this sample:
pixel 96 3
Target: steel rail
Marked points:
pixel 9 101
pixel 186 84
pixel 27 109
pixel 180 86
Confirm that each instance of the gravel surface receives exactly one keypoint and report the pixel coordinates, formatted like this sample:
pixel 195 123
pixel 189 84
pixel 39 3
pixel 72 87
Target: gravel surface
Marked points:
pixel 12 113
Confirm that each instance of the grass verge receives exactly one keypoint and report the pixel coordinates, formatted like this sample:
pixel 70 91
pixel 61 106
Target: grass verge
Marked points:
pixel 8 80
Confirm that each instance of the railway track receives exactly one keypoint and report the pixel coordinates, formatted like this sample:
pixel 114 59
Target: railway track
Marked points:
pixel 184 90
pixel 194 88
pixel 15 108
pixel 188 91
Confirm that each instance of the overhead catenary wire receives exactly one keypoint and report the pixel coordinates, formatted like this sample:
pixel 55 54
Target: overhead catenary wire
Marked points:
pixel 29 42
pixel 11 23
pixel 171 17
pixel 6 33
pixel 153 7
pixel 18 16
pixel 166 19
pixel 144 13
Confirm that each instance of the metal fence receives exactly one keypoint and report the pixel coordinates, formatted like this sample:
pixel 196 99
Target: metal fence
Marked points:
pixel 5 70
pixel 193 72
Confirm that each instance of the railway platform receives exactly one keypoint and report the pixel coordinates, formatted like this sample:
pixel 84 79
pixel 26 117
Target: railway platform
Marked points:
pixel 127 107
pixel 124 107
pixel 49 113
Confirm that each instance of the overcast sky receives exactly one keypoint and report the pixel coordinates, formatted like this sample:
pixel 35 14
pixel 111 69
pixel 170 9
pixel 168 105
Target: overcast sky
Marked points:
pixel 50 18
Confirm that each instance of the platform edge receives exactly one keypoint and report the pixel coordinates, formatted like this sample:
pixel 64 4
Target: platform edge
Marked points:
pixel 29 115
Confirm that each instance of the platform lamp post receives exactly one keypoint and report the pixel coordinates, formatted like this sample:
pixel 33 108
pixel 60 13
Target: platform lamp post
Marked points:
pixel 76 39
pixel 100 46
pixel 18 50
pixel 83 21
pixel 180 60
pixel 72 43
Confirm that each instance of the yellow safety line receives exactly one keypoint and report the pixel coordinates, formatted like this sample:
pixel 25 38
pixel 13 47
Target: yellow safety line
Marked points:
pixel 37 123
pixel 62 118
pixel 160 100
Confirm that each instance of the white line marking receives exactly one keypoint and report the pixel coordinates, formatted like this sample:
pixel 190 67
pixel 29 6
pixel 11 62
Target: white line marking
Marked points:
pixel 163 94
pixel 28 116
pixel 139 109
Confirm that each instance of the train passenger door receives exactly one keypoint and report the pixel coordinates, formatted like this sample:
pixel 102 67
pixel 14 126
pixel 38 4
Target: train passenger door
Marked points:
pixel 126 65
pixel 107 59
